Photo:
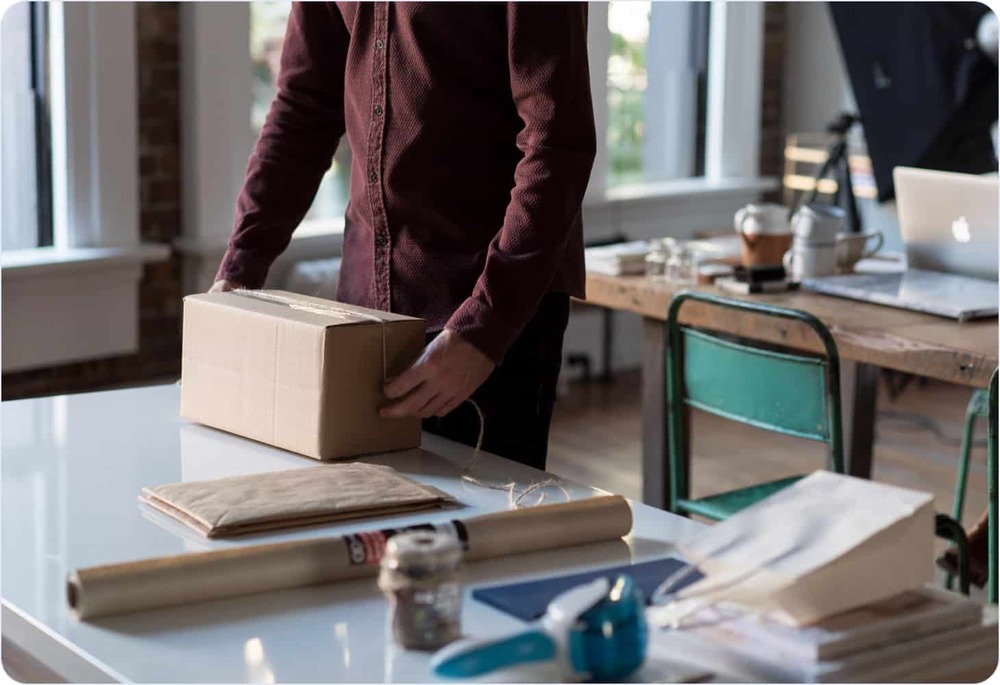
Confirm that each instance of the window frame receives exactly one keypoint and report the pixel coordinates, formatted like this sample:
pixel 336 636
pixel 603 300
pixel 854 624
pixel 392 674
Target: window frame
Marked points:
pixel 78 299
pixel 217 138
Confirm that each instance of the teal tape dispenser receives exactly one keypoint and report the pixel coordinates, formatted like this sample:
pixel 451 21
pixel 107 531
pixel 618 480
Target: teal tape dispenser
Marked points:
pixel 596 631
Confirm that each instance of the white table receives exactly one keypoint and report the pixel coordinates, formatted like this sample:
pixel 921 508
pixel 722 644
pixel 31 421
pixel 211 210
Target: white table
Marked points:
pixel 72 467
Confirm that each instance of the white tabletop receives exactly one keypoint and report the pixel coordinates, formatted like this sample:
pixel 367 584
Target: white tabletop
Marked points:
pixel 72 467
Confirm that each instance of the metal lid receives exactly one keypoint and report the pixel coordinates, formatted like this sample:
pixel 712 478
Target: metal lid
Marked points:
pixel 422 553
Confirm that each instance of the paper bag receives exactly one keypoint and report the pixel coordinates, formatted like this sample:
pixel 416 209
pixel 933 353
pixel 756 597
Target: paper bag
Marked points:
pixel 826 544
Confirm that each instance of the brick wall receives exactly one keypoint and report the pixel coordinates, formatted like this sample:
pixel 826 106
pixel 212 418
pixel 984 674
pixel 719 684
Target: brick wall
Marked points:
pixel 158 357
pixel 772 137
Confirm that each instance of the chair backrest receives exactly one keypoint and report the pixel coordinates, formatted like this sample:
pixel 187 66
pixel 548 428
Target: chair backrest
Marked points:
pixel 991 479
pixel 786 391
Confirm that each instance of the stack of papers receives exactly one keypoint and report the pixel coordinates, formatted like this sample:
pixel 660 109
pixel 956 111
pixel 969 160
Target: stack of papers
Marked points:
pixel 928 635
pixel 620 259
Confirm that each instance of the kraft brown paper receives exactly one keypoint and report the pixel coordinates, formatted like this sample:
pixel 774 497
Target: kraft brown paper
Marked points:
pixel 189 578
pixel 238 505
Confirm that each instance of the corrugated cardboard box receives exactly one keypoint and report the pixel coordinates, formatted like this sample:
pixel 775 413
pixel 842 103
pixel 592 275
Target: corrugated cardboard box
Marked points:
pixel 296 372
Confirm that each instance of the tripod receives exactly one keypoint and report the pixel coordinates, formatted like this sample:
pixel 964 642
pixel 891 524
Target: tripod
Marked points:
pixel 837 161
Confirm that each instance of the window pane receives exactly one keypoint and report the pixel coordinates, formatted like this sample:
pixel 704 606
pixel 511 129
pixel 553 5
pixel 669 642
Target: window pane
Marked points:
pixel 18 139
pixel 267 30
pixel 628 23
pixel 656 90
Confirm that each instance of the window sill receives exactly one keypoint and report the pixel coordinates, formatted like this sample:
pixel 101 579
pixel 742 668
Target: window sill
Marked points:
pixel 51 261
pixel 312 240
pixel 680 208
pixel 646 206
pixel 324 232
pixel 680 189
pixel 70 305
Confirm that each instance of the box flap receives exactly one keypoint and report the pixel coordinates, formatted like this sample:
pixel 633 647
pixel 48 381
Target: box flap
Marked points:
pixel 312 311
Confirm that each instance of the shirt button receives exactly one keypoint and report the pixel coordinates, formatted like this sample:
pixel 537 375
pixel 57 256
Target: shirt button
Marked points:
pixel 379 44
pixel 372 176
pixel 381 240
pixel 378 111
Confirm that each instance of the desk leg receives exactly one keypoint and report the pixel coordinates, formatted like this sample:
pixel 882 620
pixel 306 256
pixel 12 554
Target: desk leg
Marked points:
pixel 859 407
pixel 655 472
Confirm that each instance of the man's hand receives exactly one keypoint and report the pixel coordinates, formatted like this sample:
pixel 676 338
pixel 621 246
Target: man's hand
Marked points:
pixel 224 286
pixel 448 371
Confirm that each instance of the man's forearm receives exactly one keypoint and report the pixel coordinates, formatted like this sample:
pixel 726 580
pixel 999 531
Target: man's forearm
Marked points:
pixel 550 85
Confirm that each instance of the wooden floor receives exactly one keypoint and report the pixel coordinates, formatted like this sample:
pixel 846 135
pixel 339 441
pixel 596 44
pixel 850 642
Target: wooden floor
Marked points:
pixel 595 440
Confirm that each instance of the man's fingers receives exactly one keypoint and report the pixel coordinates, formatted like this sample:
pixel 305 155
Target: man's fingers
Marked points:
pixel 406 381
pixel 412 404
pixel 437 406
pixel 452 405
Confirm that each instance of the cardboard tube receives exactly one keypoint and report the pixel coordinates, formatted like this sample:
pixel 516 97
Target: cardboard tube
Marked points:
pixel 203 576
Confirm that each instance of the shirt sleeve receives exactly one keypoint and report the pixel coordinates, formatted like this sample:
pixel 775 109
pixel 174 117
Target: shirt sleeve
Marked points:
pixel 296 144
pixel 550 83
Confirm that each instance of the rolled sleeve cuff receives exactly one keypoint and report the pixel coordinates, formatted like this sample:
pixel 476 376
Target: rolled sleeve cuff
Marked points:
pixel 249 269
pixel 480 325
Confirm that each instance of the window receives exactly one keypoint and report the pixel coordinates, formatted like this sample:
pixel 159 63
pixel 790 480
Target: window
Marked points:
pixel 656 76
pixel 656 95
pixel 26 181
pixel 267 30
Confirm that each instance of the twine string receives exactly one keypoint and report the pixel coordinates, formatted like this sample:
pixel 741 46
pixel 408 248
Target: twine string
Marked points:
pixel 514 496
pixel 664 596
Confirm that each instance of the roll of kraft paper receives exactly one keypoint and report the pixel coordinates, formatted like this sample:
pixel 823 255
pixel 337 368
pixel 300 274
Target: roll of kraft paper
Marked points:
pixel 203 576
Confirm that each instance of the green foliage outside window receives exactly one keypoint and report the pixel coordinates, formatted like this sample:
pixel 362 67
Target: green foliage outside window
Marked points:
pixel 626 90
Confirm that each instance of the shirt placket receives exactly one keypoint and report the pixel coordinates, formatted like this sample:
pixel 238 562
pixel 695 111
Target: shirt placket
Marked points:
pixel 374 160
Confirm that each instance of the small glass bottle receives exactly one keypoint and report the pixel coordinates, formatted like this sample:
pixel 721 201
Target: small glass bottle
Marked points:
pixel 656 258
pixel 420 576
pixel 681 265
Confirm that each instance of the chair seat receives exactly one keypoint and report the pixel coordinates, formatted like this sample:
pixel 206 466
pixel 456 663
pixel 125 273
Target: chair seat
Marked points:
pixel 725 504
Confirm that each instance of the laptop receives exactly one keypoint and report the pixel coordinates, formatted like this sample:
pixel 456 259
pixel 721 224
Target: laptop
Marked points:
pixel 948 223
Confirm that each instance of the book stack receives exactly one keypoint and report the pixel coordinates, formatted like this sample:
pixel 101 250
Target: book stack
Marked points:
pixel 927 635
pixel 620 259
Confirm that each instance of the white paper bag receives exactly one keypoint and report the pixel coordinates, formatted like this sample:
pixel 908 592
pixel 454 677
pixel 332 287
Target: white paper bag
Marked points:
pixel 826 544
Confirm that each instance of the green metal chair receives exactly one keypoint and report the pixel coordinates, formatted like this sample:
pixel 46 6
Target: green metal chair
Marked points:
pixel 992 477
pixel 780 390
pixel 978 408
pixel 982 405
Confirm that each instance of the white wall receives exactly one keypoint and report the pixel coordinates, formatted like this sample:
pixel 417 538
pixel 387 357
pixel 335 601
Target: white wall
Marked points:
pixel 816 85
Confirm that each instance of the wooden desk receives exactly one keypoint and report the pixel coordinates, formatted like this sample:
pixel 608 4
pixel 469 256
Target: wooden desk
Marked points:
pixel 871 336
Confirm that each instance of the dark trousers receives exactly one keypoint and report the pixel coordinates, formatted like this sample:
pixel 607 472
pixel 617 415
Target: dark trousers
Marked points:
pixel 518 397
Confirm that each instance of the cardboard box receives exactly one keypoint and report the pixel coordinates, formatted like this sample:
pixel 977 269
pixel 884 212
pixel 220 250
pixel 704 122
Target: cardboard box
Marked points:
pixel 296 372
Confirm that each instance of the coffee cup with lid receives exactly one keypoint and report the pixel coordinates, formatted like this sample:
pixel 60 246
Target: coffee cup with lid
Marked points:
pixel 765 232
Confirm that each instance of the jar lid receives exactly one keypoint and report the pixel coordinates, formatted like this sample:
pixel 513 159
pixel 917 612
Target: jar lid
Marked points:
pixel 422 553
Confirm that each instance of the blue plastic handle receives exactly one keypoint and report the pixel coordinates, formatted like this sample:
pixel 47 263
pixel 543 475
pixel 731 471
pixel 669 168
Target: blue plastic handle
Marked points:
pixel 478 659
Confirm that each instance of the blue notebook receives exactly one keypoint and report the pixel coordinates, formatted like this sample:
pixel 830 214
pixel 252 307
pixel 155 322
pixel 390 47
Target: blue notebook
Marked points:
pixel 528 601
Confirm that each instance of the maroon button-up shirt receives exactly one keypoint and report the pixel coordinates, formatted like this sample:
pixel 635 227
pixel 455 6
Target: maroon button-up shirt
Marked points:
pixel 473 137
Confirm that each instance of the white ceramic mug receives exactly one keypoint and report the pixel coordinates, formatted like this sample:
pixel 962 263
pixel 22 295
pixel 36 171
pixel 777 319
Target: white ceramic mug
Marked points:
pixel 810 261
pixel 765 232
pixel 817 224
pixel 853 247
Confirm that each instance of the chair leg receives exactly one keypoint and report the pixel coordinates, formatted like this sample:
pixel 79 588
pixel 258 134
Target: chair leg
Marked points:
pixel 950 529
pixel 973 412
pixel 992 485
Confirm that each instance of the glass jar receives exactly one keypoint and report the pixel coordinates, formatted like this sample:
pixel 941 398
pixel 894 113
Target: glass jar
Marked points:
pixel 656 258
pixel 420 576
pixel 681 264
